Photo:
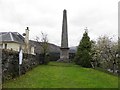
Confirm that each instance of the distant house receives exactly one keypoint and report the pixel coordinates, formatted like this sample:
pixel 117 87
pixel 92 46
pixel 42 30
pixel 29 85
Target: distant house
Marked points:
pixel 52 48
pixel 14 41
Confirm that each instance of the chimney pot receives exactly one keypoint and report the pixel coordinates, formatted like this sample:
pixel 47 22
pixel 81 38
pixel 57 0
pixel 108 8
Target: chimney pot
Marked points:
pixel 27 28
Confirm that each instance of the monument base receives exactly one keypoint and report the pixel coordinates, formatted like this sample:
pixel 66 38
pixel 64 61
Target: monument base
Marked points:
pixel 64 55
pixel 64 60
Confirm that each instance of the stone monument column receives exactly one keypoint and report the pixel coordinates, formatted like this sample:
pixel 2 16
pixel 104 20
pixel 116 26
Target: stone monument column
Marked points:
pixel 64 50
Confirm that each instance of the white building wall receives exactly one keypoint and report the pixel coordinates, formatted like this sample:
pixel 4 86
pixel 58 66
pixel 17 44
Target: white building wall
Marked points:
pixel 13 46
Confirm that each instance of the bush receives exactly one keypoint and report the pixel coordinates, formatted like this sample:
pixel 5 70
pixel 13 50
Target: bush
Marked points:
pixel 44 58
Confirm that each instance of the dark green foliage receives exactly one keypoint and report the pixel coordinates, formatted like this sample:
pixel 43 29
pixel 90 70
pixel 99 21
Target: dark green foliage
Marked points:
pixel 9 65
pixel 54 56
pixel 44 58
pixel 71 56
pixel 83 55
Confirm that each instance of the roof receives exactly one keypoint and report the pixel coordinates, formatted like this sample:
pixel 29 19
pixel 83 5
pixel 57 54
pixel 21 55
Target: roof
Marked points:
pixel 38 47
pixel 11 37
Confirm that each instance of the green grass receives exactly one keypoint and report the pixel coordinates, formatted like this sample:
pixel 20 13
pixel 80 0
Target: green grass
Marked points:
pixel 63 75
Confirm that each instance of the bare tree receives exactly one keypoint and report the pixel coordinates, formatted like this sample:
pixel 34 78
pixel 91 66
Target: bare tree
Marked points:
pixel 42 39
pixel 43 42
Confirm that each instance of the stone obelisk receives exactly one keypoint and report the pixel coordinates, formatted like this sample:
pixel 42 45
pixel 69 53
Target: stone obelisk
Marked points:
pixel 64 50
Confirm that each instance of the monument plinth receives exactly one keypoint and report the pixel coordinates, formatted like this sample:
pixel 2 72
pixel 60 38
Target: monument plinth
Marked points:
pixel 64 50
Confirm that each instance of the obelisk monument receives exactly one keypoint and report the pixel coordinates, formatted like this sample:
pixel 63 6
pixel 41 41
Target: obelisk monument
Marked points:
pixel 64 50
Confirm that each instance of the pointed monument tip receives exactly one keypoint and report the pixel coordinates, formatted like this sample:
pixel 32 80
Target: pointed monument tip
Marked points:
pixel 64 10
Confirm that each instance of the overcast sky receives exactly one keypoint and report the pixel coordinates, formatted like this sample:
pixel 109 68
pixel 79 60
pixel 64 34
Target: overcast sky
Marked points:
pixel 100 16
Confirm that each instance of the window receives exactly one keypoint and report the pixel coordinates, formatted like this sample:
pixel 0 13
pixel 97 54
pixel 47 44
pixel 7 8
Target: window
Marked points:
pixel 5 46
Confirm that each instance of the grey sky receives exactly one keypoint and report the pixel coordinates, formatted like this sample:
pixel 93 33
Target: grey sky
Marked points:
pixel 100 16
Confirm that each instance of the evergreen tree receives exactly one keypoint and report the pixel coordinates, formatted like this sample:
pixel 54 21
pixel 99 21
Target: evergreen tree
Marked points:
pixel 83 55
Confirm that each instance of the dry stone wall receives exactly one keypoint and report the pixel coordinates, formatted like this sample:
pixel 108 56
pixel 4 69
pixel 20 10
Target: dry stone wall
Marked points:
pixel 10 64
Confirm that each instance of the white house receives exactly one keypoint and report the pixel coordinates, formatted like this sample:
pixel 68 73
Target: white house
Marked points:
pixel 15 41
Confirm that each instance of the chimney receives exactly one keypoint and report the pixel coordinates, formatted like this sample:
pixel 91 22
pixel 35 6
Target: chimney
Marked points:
pixel 27 40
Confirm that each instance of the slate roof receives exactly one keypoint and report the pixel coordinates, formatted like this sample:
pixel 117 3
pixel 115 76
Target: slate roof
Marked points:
pixel 11 37
pixel 38 47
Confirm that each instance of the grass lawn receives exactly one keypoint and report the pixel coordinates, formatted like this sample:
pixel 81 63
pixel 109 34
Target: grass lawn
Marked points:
pixel 63 75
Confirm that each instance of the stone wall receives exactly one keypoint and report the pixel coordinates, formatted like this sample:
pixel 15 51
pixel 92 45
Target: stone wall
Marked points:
pixel 54 56
pixel 10 64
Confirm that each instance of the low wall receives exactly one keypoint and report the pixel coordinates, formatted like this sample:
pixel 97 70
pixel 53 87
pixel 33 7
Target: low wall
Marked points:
pixel 10 64
pixel 56 56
